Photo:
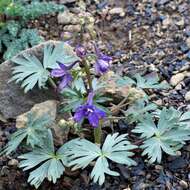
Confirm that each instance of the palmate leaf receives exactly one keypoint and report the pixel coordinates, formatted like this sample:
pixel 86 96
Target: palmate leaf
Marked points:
pixel 149 83
pixel 142 82
pixel 116 148
pixel 34 133
pixel 75 96
pixel 168 135
pixel 30 71
pixel 47 163
pixel 137 111
pixel 62 53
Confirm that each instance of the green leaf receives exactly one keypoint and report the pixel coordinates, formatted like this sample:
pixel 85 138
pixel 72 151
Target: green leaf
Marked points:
pixel 45 161
pixel 149 83
pixel 116 148
pixel 34 133
pixel 100 169
pixel 124 81
pixel 61 52
pixel 137 111
pixel 168 135
pixel 30 72
pixel 13 27
pixel 79 85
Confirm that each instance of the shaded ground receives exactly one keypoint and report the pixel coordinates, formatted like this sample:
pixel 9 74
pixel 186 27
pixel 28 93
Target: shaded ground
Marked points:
pixel 151 36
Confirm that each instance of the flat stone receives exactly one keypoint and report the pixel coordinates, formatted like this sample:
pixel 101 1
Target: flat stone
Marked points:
pixel 13 100
pixel 45 108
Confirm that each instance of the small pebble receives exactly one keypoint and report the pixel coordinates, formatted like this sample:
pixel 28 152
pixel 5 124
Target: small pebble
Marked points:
pixel 159 167
pixel 13 162
pixel 187 96
pixel 176 79
pixel 183 184
pixel 117 10
pixel 188 42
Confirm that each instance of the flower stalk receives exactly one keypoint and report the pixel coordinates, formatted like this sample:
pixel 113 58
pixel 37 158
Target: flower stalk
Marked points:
pixel 52 83
pixel 87 71
pixel 98 134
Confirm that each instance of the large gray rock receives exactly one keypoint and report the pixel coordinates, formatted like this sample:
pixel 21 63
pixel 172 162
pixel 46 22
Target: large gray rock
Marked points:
pixel 13 100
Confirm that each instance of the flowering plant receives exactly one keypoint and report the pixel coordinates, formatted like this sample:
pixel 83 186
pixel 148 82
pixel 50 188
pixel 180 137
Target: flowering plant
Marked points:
pixel 96 100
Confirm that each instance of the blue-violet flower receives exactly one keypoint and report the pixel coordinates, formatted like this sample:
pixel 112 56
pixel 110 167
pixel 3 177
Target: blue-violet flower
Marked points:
pixel 64 73
pixel 90 112
pixel 80 51
pixel 102 63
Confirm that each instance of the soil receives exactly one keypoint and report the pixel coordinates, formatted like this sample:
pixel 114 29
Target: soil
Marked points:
pixel 151 36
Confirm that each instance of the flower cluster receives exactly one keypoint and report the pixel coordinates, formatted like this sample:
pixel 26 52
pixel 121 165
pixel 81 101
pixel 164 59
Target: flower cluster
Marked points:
pixel 88 110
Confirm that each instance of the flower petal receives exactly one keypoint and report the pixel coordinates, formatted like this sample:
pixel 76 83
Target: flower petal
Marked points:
pixel 102 66
pixel 57 73
pixel 79 114
pixel 66 67
pixel 101 114
pixel 93 119
pixel 105 57
pixel 67 78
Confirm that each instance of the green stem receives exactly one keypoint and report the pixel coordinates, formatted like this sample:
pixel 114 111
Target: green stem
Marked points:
pixel 52 83
pixel 87 70
pixel 98 134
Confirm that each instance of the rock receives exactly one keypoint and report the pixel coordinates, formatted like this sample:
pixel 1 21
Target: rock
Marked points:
pixel 48 107
pixel 183 184
pixel 72 28
pixel 158 102
pixel 60 134
pixel 181 22
pixel 175 79
pixel 13 100
pixel 179 86
pixel 158 167
pixel 4 171
pixel 13 162
pixel 66 35
pixel 67 18
pixel 188 42
pixel 187 96
pixel 67 1
pixel 166 22
pixel 117 10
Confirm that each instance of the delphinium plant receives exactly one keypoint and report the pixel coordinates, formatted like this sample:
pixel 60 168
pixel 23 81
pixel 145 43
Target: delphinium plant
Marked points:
pixel 79 75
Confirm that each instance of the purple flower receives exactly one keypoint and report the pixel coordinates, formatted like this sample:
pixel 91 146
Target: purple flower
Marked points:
pixel 90 112
pixel 80 51
pixel 102 62
pixel 63 72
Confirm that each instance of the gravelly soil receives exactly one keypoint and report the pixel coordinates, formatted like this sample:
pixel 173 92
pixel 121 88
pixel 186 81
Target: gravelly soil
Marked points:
pixel 154 38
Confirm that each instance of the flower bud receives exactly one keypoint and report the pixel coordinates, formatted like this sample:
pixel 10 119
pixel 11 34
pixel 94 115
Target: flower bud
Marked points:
pixel 80 51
